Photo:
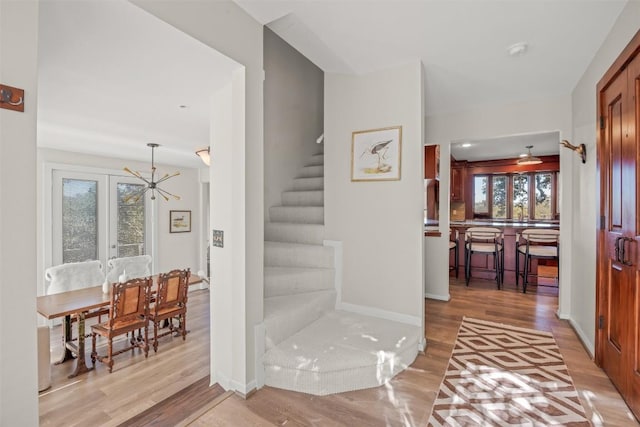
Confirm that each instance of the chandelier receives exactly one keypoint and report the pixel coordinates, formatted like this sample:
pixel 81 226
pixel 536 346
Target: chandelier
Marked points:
pixel 151 184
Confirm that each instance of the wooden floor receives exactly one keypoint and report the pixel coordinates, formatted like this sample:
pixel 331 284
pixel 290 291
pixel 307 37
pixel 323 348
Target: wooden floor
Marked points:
pixel 136 384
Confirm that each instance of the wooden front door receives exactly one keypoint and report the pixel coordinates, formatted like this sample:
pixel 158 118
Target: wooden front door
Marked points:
pixel 618 298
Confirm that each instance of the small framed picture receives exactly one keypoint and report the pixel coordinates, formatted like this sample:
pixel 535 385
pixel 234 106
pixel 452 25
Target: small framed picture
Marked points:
pixel 179 221
pixel 375 154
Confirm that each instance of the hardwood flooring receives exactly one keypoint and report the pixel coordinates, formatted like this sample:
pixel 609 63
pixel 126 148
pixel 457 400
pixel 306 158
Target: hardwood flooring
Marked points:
pixel 136 385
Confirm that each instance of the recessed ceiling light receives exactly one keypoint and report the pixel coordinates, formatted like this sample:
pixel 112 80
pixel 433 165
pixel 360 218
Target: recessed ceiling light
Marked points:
pixel 466 145
pixel 517 49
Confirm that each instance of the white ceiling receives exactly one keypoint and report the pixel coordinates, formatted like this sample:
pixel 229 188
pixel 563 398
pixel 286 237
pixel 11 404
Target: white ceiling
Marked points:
pixel 462 43
pixel 112 77
pixel 507 147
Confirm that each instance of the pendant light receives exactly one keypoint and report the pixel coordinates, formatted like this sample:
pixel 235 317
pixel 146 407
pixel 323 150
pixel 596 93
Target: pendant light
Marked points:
pixel 529 159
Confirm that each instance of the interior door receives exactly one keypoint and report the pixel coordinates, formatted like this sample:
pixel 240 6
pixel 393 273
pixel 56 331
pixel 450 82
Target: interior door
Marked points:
pixel 618 298
pixel 633 81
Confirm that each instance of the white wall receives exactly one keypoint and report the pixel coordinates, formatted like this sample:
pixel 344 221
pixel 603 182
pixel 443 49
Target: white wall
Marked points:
pixel 173 250
pixel 293 115
pixel 585 199
pixel 224 26
pixel 18 68
pixel 379 223
pixel 551 114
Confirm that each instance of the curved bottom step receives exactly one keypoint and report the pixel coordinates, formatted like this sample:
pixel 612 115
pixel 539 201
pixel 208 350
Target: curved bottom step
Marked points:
pixel 340 352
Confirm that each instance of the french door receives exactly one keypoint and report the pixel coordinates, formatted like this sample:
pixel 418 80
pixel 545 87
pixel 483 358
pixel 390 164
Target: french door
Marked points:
pixel 95 217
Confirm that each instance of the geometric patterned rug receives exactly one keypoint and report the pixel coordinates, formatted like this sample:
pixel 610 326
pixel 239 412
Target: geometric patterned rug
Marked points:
pixel 501 375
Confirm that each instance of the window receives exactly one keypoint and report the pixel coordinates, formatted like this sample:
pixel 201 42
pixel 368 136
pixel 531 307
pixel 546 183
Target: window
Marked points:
pixel 516 196
pixel 520 197
pixel 542 187
pixel 499 197
pixel 480 196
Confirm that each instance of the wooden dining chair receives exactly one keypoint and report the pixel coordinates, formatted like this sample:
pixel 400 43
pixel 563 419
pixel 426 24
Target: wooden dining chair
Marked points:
pixel 128 311
pixel 170 303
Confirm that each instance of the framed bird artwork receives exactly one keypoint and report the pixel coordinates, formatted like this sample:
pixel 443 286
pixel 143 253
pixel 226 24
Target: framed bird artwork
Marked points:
pixel 376 154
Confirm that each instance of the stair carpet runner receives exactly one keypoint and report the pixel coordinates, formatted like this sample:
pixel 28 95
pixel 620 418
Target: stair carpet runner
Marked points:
pixel 309 346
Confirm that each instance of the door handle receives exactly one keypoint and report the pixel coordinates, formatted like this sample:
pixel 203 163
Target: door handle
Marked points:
pixel 624 250
pixel 617 245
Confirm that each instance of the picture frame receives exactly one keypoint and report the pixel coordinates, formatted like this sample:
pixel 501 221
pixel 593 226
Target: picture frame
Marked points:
pixel 376 154
pixel 179 221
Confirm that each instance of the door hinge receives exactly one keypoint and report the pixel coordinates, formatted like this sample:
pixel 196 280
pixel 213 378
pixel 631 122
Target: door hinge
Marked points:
pixel 601 322
pixel 602 221
pixel 601 122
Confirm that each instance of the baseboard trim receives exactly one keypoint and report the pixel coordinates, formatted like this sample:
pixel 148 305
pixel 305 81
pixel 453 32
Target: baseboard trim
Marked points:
pixel 379 313
pixel 588 346
pixel 446 297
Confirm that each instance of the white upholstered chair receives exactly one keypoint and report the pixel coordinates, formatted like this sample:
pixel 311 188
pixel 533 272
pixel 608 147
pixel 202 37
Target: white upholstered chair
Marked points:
pixel 73 275
pixel 133 267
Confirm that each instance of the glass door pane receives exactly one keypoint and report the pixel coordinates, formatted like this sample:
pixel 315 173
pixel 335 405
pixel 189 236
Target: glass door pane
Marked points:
pixel 129 229
pixel 78 217
pixel 79 220
pixel 131 220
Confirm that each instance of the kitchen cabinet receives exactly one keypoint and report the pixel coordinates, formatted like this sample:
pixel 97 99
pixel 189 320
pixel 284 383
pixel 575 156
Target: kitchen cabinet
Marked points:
pixel 432 162
pixel 458 173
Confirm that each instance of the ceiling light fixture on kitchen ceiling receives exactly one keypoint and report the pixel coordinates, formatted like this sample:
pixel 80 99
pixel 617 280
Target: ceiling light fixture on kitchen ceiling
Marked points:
pixel 151 184
pixel 529 159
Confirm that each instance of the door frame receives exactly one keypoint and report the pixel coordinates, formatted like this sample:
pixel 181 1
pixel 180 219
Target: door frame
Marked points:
pixel 628 53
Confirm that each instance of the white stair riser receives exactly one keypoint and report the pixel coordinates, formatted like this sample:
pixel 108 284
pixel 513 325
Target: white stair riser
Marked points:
pixel 296 255
pixel 294 233
pixel 308 184
pixel 316 160
pixel 303 198
pixel 297 214
pixel 311 172
pixel 284 281
pixel 278 328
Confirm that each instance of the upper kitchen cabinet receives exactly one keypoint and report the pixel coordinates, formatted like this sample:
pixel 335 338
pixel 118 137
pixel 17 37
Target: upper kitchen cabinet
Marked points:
pixel 432 162
pixel 458 173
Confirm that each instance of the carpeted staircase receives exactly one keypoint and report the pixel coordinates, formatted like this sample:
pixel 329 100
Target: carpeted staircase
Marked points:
pixel 309 346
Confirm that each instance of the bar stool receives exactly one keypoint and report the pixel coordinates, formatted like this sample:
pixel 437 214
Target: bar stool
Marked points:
pixel 453 246
pixel 539 244
pixel 487 241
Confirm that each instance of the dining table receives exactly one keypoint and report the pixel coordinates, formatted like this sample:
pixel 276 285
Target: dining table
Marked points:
pixel 77 304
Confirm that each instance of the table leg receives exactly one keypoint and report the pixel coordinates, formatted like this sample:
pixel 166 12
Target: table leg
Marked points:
pixel 66 337
pixel 81 364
